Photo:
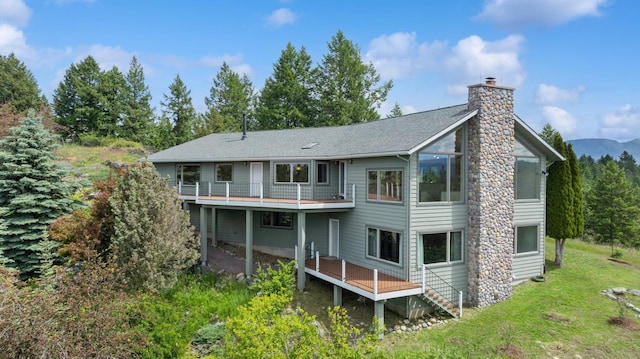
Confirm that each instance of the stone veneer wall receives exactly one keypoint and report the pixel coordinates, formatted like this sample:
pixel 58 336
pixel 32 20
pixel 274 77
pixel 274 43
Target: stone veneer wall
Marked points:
pixel 491 195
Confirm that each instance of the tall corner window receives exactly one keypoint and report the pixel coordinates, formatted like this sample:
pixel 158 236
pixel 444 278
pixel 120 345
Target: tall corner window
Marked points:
pixel 440 169
pixel 188 174
pixel 322 173
pixel 526 240
pixel 527 173
pixel 446 247
pixel 384 245
pixel 384 185
pixel 292 172
pixel 224 172
pixel 283 220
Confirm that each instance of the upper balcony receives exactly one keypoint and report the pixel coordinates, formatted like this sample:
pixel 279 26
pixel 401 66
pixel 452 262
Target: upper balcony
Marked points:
pixel 276 196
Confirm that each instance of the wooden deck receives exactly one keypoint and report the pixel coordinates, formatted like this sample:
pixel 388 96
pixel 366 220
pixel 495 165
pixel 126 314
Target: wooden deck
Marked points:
pixel 269 200
pixel 359 276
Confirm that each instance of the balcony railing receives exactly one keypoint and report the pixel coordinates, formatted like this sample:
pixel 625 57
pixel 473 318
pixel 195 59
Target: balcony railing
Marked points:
pixel 294 193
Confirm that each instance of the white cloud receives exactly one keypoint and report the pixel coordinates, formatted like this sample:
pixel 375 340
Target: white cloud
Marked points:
pixel 400 55
pixel 12 40
pixel 623 124
pixel 560 119
pixel 552 95
pixel 281 17
pixel 523 13
pixel 106 56
pixel 474 58
pixel 235 62
pixel 14 12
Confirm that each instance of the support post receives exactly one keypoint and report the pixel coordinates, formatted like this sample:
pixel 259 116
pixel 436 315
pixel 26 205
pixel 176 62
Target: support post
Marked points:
pixel 318 261
pixel 203 235
pixel 197 190
pixel 375 282
pixel 302 229
pixel 344 271
pixel 249 242
pixel 214 240
pixel 378 311
pixel 337 295
pixel 227 191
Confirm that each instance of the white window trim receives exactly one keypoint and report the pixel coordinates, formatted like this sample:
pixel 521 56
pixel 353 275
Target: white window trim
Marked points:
pixel 291 170
pixel 515 239
pixel 216 172
pixel 378 229
pixel 448 262
pixel 378 170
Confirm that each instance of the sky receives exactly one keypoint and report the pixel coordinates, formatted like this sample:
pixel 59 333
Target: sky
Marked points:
pixel 573 63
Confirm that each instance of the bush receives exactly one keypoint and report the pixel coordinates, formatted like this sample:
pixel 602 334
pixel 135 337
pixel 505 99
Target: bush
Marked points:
pixel 276 281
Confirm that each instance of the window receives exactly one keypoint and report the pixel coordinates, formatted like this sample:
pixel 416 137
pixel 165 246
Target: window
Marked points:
pixel 322 173
pixel 384 185
pixel 277 220
pixel 528 171
pixel 442 247
pixel 440 168
pixel 188 174
pixel 383 245
pixel 526 240
pixel 292 173
pixel 224 172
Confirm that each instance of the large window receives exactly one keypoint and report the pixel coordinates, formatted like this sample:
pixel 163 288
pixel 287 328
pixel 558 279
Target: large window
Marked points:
pixel 440 168
pixel 224 172
pixel 292 173
pixel 188 174
pixel 322 173
pixel 526 240
pixel 384 185
pixel 277 220
pixel 528 171
pixel 383 245
pixel 442 247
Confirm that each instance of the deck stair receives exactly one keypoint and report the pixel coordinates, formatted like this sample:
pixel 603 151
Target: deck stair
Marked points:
pixel 440 293
pixel 432 297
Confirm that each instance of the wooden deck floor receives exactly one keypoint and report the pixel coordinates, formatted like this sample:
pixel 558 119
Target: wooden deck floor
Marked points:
pixel 270 200
pixel 359 276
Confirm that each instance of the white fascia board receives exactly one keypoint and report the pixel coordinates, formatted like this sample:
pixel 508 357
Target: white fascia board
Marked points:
pixel 443 132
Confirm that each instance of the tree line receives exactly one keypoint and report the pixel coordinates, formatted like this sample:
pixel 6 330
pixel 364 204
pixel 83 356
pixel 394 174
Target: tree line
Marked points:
pixel 341 89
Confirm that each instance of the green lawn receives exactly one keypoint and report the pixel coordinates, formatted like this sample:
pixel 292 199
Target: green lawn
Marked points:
pixel 564 316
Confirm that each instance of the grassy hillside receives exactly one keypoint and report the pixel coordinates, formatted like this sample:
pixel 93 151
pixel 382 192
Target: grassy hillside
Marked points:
pixel 93 162
pixel 563 317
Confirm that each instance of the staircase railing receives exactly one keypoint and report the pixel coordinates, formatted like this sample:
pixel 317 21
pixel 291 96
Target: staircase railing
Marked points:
pixel 441 287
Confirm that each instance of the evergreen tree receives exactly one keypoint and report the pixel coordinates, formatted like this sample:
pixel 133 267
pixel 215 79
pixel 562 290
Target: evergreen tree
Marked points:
pixel 578 195
pixel 76 101
pixel 33 193
pixel 396 111
pixel 18 87
pixel 287 100
pixel 112 89
pixel 548 133
pixel 560 197
pixel 153 239
pixel 178 108
pixel 162 134
pixel 231 96
pixel 613 208
pixel 347 88
pixel 138 116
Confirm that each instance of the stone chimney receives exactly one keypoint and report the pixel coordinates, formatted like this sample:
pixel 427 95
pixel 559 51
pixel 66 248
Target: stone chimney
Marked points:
pixel 491 194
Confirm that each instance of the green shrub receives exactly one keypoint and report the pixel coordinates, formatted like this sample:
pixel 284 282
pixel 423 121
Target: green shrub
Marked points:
pixel 90 139
pixel 276 281
pixel 617 254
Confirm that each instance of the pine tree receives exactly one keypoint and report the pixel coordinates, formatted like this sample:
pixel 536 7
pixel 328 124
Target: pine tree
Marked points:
pixel 178 108
pixel 613 208
pixel 287 100
pixel 112 90
pixel 138 116
pixel 231 96
pixel 34 192
pixel 347 88
pixel 396 111
pixel 153 239
pixel 162 136
pixel 548 133
pixel 578 195
pixel 561 223
pixel 18 87
pixel 76 101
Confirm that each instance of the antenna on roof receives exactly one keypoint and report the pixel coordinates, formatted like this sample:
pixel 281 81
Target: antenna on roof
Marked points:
pixel 244 125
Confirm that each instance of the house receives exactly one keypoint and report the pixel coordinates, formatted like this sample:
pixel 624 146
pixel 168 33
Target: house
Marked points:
pixel 431 209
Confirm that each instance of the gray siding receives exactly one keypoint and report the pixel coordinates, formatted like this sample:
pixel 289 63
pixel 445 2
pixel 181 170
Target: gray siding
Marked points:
pixel 388 216
pixel 436 218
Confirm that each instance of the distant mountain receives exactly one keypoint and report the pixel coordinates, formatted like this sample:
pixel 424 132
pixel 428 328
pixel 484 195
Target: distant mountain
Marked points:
pixel 598 147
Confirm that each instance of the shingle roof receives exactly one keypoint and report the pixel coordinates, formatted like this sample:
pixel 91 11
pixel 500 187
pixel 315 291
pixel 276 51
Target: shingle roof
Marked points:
pixel 398 135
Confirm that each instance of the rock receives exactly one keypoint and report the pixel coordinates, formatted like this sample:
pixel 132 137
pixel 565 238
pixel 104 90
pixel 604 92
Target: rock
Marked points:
pixel 611 296
pixel 406 321
pixel 425 325
pixel 321 333
pixel 619 290
pixel 635 292
pixel 240 276
pixel 433 320
pixel 403 328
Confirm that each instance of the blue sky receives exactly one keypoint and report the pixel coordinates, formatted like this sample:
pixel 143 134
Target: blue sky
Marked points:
pixel 574 63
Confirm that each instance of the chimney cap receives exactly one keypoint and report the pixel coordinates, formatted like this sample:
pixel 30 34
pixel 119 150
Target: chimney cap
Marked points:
pixel 490 80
